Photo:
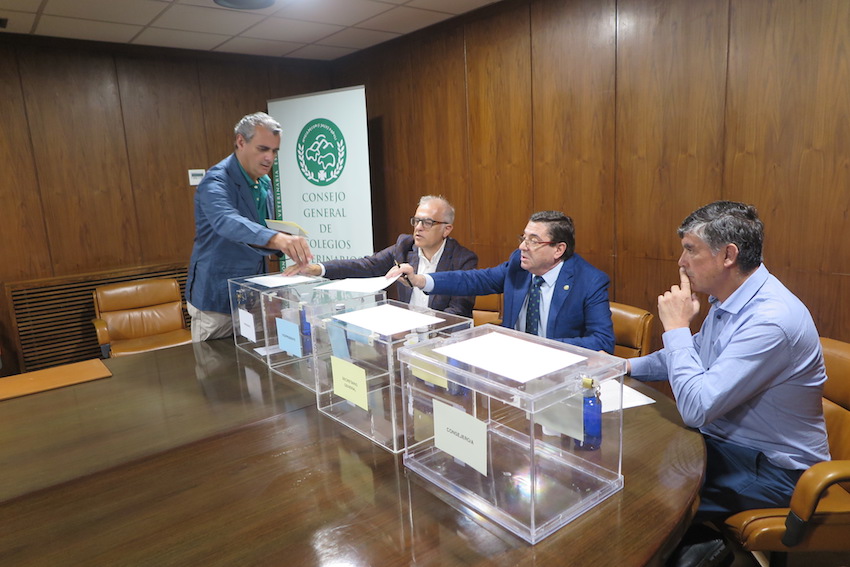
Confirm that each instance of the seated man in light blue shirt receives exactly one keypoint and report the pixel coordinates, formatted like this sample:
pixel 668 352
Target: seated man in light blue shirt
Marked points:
pixel 752 378
pixel 548 290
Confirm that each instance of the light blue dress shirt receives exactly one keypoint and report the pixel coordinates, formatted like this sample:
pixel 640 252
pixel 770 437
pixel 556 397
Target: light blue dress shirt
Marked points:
pixel 547 288
pixel 753 375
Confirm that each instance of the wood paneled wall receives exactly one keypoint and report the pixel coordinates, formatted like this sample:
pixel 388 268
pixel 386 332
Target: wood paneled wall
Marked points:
pixel 626 114
pixel 97 141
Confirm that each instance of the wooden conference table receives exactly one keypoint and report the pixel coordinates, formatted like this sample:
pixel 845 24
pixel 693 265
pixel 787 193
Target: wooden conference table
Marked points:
pixel 198 455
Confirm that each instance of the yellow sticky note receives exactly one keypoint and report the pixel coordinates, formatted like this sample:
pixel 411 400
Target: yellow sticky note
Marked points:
pixel 430 372
pixel 350 382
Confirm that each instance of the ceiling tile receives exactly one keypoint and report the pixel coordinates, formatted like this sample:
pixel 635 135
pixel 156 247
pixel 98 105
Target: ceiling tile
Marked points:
pixel 19 22
pixel 252 46
pixel 323 52
pixel 450 6
pixel 334 27
pixel 206 20
pixel 20 5
pixel 139 12
pixel 73 28
pixel 280 29
pixel 403 20
pixel 358 38
pixel 342 12
pixel 180 39
pixel 264 12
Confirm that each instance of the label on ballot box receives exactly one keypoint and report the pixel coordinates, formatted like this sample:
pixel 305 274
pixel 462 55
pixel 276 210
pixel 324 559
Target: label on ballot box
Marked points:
pixel 359 383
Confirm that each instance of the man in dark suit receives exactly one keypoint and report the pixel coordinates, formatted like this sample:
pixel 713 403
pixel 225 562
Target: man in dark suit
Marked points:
pixel 571 295
pixel 429 249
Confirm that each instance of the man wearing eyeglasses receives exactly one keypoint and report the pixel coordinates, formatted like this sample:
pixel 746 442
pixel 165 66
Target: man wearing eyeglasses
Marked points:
pixel 429 249
pixel 548 289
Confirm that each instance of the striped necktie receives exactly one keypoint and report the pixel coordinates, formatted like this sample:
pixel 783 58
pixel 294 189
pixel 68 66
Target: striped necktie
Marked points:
pixel 532 312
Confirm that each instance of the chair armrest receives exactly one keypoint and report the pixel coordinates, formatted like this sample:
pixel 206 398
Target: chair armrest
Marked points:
pixel 808 492
pixel 103 338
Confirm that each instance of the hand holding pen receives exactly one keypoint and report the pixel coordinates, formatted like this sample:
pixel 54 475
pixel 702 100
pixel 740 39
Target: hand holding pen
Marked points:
pixel 403 275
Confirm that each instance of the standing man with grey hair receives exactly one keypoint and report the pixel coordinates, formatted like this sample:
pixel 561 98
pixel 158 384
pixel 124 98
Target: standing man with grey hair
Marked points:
pixel 231 239
pixel 751 379
pixel 429 249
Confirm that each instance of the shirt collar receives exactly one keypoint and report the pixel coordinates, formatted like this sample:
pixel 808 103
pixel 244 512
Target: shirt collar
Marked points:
pixel 251 182
pixel 435 259
pixel 745 292
pixel 261 183
pixel 550 277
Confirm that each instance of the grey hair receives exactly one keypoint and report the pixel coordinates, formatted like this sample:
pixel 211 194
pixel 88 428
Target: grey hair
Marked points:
pixel 450 210
pixel 728 222
pixel 247 127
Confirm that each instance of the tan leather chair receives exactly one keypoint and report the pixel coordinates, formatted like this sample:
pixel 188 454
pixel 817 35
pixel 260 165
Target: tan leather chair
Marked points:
pixel 632 330
pixel 139 316
pixel 819 516
pixel 487 309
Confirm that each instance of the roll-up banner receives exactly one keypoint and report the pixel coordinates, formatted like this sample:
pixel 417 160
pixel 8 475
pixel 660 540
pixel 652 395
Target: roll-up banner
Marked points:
pixel 321 178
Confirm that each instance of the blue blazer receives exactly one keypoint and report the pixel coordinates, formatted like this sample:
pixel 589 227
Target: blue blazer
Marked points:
pixel 579 313
pixel 455 257
pixel 229 236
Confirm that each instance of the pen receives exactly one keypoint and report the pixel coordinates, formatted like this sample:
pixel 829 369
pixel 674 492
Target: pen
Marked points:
pixel 403 276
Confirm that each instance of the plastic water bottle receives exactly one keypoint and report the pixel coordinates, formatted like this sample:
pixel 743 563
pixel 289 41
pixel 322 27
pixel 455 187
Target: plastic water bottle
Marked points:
pixel 306 333
pixel 591 415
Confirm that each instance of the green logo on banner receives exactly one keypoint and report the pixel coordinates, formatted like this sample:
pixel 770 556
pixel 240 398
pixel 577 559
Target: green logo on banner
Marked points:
pixel 321 152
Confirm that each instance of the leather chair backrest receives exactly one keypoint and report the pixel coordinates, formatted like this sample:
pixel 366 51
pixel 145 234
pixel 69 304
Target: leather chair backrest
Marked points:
pixel 836 393
pixel 487 309
pixel 140 308
pixel 632 330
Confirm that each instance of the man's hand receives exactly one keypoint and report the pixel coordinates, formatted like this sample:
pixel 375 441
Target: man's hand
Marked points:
pixel 407 273
pixel 678 307
pixel 295 247
pixel 307 270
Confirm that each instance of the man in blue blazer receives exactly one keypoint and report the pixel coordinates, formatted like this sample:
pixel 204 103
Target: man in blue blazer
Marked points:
pixel 231 239
pixel 572 298
pixel 429 249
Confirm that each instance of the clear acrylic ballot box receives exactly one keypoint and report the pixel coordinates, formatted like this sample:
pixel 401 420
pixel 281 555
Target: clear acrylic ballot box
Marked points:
pixel 523 430
pixel 246 306
pixel 357 383
pixel 295 330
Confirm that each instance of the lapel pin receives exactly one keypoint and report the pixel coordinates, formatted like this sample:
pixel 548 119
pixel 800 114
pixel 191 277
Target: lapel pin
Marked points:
pixel 566 288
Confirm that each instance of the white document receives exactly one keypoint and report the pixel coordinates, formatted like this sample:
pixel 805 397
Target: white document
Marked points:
pixel 279 280
pixel 246 325
pixel 388 319
pixel 362 285
pixel 460 435
pixel 510 357
pixel 609 393
pixel 265 351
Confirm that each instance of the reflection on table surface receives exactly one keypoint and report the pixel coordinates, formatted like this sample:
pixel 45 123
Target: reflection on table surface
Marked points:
pixel 153 402
pixel 203 458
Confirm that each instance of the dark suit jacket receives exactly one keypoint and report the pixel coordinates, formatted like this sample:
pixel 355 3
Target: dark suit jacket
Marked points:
pixel 455 257
pixel 579 313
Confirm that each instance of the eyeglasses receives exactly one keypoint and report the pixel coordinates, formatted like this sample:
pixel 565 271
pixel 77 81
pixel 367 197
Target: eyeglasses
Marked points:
pixel 427 223
pixel 533 242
